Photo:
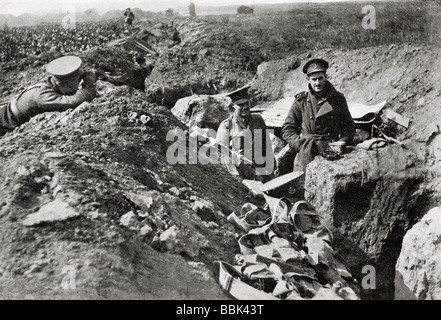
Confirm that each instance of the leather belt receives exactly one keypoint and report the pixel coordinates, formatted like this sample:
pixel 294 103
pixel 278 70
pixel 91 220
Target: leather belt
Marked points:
pixel 317 136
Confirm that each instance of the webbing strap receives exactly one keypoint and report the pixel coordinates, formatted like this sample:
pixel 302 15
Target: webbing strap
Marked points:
pixel 36 85
pixel 239 289
pixel 14 100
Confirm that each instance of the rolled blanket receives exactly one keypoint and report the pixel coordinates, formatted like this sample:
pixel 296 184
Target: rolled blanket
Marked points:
pixel 373 143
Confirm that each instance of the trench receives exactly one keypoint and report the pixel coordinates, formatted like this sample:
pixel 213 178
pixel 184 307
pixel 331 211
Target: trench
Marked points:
pixel 370 222
pixel 370 218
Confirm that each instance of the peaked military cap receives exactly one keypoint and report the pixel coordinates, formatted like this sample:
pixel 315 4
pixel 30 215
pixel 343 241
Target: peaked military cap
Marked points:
pixel 64 67
pixel 315 65
pixel 239 94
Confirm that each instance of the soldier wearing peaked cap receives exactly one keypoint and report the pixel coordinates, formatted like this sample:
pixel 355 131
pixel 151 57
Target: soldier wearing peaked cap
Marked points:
pixel 316 117
pixel 234 131
pixel 58 92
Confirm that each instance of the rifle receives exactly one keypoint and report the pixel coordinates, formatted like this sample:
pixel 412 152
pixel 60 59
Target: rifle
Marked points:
pixel 196 131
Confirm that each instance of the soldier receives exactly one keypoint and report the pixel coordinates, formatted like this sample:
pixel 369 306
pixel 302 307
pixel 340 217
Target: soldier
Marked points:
pixel 317 117
pixel 129 17
pixel 58 92
pixel 242 132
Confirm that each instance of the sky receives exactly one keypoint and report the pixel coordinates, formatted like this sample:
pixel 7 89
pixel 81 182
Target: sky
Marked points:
pixel 17 7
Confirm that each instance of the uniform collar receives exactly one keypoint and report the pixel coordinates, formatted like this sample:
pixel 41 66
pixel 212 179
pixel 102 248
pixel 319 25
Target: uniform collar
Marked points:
pixel 322 101
pixel 329 91
pixel 243 123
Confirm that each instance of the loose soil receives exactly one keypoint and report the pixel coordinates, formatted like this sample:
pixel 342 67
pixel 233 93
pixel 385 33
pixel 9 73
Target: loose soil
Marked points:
pixel 104 166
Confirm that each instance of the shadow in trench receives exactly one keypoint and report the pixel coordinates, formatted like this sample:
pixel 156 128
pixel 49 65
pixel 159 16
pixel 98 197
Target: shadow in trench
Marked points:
pixel 370 223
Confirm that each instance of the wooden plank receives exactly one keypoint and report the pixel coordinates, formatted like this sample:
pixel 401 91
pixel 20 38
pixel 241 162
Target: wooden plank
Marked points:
pixel 254 186
pixel 275 114
pixel 257 109
pixel 398 118
pixel 280 181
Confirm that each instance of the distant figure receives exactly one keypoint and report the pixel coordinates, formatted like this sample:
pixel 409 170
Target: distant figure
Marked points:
pixel 58 92
pixel 192 9
pixel 129 16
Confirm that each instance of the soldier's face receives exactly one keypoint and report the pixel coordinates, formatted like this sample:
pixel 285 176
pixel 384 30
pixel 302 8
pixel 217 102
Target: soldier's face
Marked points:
pixel 69 87
pixel 317 81
pixel 243 110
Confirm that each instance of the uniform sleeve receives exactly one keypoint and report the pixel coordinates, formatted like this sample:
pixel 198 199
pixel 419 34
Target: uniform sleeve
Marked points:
pixel 223 137
pixel 223 134
pixel 346 122
pixel 292 126
pixel 49 100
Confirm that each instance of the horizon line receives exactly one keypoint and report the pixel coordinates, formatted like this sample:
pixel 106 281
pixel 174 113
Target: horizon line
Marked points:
pixel 65 7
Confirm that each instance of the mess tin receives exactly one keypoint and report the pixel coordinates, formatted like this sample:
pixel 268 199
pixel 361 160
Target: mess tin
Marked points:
pixel 338 146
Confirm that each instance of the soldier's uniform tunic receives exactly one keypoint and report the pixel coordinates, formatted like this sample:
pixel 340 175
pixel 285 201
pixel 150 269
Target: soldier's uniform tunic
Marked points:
pixel 233 128
pixel 314 121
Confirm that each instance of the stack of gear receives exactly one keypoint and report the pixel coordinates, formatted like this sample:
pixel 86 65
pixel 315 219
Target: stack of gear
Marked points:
pixel 286 254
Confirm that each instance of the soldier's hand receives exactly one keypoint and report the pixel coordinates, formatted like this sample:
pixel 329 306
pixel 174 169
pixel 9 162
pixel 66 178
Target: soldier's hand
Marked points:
pixel 90 78
pixel 297 144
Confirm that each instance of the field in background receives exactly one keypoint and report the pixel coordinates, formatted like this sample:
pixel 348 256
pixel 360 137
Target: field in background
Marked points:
pixel 338 26
pixel 263 36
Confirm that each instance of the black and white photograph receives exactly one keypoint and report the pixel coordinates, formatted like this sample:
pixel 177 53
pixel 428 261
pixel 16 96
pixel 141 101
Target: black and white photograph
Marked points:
pixel 236 152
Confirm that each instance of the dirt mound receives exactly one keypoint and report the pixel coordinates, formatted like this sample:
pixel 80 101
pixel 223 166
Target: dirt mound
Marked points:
pixel 94 159
pixel 135 226
pixel 210 58
pixel 129 207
